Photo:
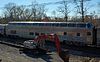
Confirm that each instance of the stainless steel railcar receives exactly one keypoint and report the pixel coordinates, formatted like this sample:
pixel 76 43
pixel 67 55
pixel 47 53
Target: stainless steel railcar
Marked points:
pixel 3 29
pixel 98 35
pixel 69 32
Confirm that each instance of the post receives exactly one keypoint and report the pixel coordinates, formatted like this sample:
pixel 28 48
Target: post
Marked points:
pixel 82 10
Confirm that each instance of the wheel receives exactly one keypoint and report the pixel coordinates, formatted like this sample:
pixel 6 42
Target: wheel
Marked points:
pixel 20 52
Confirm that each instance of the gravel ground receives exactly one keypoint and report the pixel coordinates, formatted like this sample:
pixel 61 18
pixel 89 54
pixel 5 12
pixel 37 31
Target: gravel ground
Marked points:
pixel 74 58
pixel 11 54
pixel 79 56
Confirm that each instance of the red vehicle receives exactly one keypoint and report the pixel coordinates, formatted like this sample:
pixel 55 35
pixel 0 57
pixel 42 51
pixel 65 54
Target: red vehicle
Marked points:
pixel 39 45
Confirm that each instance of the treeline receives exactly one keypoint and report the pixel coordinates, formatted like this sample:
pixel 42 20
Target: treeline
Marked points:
pixel 38 12
pixel 14 12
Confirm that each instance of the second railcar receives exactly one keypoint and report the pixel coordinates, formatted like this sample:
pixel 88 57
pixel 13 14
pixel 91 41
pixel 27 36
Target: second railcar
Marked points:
pixel 3 29
pixel 69 32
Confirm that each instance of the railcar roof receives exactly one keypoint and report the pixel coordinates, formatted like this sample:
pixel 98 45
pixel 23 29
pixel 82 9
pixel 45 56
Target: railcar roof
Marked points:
pixel 44 22
pixel 3 24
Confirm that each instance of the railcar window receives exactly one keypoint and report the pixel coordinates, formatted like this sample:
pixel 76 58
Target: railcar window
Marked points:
pixel 88 33
pixel 71 25
pixel 37 34
pixel 47 24
pixel 63 24
pixel 65 33
pixel 31 23
pixel 55 24
pixel 13 24
pixel 35 24
pixel 13 31
pixel 78 34
pixel 81 25
pixel 22 23
pixel 19 24
pixel 27 23
pixel 52 24
pixel 1 29
pixel 31 33
pixel 41 24
pixel 42 33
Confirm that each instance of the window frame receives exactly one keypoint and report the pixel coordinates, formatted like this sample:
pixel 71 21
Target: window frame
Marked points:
pixel 89 33
pixel 13 31
pixel 78 34
pixel 31 33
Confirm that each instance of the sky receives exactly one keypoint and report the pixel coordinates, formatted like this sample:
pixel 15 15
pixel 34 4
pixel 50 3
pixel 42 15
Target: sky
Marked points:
pixel 49 7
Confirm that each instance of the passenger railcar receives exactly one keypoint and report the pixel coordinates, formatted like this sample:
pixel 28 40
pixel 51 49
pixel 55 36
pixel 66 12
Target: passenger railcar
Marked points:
pixel 2 29
pixel 68 32
pixel 98 35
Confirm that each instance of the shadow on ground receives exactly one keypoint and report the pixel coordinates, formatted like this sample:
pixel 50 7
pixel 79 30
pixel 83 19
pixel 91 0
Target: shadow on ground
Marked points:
pixel 85 53
pixel 45 56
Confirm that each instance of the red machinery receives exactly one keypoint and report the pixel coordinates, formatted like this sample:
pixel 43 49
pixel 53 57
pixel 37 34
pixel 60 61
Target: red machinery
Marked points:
pixel 40 40
pixel 63 54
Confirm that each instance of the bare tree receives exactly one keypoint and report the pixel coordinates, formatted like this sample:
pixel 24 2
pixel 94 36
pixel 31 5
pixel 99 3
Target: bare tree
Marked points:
pixel 41 12
pixel 81 7
pixel 38 11
pixel 13 11
pixel 64 9
pixel 21 12
pixel 9 10
pixel 98 10
pixel 54 14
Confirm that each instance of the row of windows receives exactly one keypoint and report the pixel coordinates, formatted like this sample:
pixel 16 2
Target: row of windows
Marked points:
pixel 78 34
pixel 55 24
pixel 37 34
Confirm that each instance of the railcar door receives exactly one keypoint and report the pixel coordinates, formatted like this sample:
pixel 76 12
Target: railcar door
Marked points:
pixel 94 36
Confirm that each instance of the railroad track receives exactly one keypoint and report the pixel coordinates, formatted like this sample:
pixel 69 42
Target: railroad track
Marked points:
pixel 74 47
pixel 64 46
pixel 12 44
pixel 88 49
